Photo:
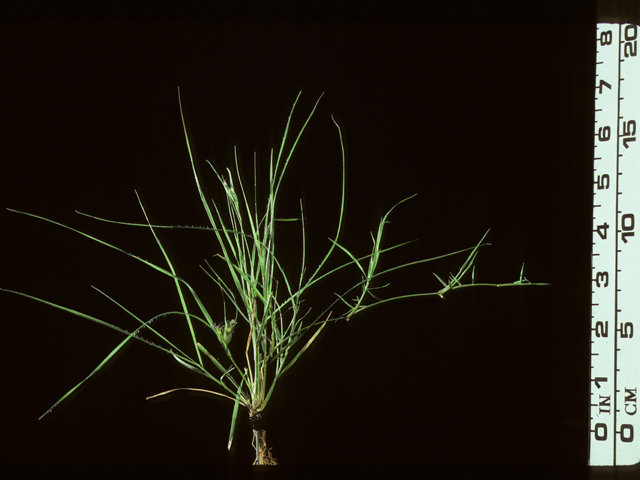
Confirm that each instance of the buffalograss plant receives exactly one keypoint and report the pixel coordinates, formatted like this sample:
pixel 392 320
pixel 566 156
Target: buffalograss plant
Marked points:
pixel 264 298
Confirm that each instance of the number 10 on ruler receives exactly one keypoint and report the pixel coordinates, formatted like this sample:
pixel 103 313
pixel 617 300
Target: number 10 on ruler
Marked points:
pixel 614 431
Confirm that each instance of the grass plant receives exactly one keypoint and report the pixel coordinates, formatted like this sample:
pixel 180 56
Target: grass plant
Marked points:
pixel 266 300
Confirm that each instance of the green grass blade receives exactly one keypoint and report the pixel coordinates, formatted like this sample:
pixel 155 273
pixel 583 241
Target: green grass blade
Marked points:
pixel 303 349
pixel 176 282
pixel 193 165
pixel 353 259
pixel 106 359
pixel 155 267
pixel 212 358
pixel 146 225
pixel 234 417
pixel 441 281
pixel 342 203
pixel 89 317
pixel 144 324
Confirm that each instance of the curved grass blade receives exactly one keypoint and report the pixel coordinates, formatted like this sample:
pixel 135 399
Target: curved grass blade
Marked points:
pixel 193 389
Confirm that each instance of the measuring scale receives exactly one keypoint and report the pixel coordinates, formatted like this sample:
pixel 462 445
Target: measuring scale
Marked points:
pixel 614 431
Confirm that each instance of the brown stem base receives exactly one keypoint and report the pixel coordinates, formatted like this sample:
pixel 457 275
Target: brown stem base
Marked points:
pixel 263 454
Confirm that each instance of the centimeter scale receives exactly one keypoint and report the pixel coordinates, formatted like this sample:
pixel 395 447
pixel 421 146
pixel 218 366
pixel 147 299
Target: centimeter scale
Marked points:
pixel 614 431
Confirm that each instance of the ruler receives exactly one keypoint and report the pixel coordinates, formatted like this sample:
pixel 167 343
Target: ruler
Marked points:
pixel 614 430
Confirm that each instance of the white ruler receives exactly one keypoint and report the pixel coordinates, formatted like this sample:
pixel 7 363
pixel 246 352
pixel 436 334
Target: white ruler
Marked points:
pixel 614 432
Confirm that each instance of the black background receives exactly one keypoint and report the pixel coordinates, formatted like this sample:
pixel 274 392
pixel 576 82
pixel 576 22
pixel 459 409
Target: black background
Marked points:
pixel 490 123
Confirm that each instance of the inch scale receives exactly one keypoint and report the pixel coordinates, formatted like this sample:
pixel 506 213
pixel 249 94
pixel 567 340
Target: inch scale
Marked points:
pixel 614 430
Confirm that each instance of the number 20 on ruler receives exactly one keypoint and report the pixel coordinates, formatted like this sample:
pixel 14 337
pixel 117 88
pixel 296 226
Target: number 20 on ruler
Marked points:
pixel 614 431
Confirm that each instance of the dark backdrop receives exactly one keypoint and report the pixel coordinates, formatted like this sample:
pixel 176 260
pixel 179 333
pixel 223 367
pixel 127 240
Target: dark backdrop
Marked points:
pixel 489 123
